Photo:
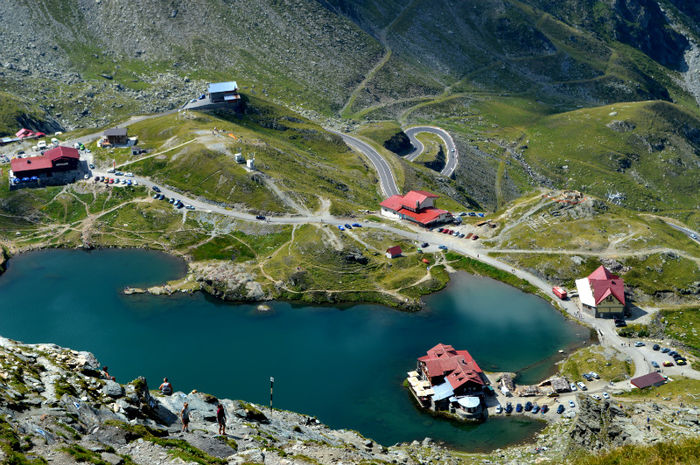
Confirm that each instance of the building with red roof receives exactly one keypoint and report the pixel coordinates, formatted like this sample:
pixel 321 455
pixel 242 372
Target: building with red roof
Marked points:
pixel 457 367
pixel 415 206
pixel 648 380
pixel 603 292
pixel 54 160
pixel 393 252
pixel 449 379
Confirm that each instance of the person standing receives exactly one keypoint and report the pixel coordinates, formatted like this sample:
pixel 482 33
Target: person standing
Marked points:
pixel 185 417
pixel 221 419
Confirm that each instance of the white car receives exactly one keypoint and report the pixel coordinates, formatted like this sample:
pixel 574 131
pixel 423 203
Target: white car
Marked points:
pixel 594 374
pixel 606 395
pixel 571 404
pixel 499 409
pixel 573 387
pixel 582 386
pixel 595 396
pixel 129 175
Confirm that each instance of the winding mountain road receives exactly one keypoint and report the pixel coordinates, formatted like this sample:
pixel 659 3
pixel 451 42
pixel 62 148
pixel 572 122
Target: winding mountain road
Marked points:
pixel 387 182
pixel 452 155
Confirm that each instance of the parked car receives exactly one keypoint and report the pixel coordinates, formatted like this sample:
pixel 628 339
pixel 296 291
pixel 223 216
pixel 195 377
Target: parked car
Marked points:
pixel 340 227
pixel 155 196
pixel 347 226
pixel 582 386
pixel 189 207
pixel 92 167
pixel 260 217
pixel 639 344
pixel 442 247
pixel 499 409
pixel 573 387
pixel 356 225
pixel 129 175
pixel 606 395
pixel 424 245
pixel 118 173
pixel 587 377
pixel 528 406
pixel 155 189
pixel 519 408
pixel 571 404
pixel 535 408
pixel 665 350
pixel 545 409
pixel 620 323
pixel 681 362
pixel 560 409
pixel 668 364
pixel 654 364
pixel 595 396
pixel 656 347
pixel 595 375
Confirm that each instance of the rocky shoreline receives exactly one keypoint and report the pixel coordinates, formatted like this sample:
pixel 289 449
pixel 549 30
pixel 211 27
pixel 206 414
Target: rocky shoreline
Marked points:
pixel 57 405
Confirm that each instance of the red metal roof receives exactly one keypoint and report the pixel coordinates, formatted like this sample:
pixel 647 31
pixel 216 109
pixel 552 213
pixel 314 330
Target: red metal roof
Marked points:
pixel 394 251
pixel 425 216
pixel 393 203
pixel 647 380
pixel 60 152
pixel 414 199
pixel 19 165
pixel 604 284
pixel 445 360
pixel 602 273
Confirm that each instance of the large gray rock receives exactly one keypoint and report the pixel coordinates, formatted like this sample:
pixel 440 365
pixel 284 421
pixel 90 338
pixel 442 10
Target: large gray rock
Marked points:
pixel 113 389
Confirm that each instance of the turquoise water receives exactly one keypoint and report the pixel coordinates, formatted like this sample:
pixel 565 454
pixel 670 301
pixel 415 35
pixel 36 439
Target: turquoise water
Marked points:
pixel 344 366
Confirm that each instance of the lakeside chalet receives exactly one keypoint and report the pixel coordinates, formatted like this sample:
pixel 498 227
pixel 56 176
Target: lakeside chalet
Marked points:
pixel 449 380
pixel 602 292
pixel 417 207
pixel 45 169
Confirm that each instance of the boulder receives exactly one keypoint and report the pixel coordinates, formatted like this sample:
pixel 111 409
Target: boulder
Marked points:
pixel 113 389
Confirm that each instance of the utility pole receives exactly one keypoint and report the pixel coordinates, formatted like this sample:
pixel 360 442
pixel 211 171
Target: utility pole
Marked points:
pixel 272 384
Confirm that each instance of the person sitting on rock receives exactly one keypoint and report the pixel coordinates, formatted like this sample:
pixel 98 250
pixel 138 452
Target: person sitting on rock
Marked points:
pixel 166 388
pixel 106 375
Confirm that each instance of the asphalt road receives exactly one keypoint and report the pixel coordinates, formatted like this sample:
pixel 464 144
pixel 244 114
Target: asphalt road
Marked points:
pixel 452 153
pixel 694 235
pixel 387 183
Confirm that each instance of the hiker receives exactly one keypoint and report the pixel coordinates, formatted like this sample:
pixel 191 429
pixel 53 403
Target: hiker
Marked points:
pixel 185 417
pixel 221 419
pixel 106 375
pixel 166 388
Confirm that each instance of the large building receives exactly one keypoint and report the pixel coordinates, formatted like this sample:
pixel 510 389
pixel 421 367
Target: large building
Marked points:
pixel 603 292
pixel 449 379
pixel 58 159
pixel 222 92
pixel 117 136
pixel 416 206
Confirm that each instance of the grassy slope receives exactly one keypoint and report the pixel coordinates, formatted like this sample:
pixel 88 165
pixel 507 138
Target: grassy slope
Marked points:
pixel 683 324
pixel 304 160
pixel 606 230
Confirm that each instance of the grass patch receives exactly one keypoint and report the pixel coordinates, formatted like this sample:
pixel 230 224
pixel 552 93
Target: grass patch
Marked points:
pixel 679 390
pixel 682 451
pixel 683 325
pixel 598 359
